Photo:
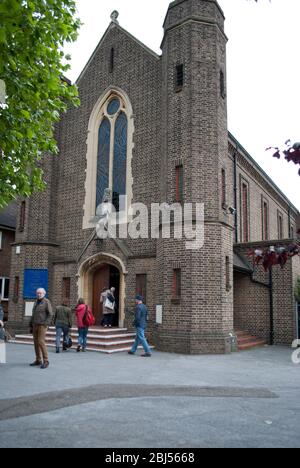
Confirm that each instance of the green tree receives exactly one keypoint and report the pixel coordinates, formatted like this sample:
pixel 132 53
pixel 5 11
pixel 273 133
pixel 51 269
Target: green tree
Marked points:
pixel 32 65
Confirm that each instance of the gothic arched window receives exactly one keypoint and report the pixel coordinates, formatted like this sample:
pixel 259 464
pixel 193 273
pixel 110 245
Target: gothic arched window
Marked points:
pixel 112 152
pixel 120 159
pixel 103 160
pixel 109 154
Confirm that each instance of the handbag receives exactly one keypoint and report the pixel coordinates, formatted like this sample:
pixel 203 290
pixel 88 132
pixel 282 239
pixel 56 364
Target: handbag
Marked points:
pixel 69 342
pixel 109 304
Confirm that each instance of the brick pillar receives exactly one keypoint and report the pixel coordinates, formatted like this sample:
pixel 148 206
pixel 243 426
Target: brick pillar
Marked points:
pixel 196 136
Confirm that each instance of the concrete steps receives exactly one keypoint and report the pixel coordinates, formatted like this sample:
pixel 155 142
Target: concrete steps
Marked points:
pixel 247 341
pixel 102 340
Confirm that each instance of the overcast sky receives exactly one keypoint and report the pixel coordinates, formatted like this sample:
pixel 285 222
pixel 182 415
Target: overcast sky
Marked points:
pixel 263 68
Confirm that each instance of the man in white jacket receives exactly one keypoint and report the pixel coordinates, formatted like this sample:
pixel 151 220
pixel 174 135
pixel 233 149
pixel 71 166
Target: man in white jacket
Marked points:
pixel 108 300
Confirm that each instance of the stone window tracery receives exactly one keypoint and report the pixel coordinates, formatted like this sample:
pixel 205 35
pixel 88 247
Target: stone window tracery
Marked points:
pixel 109 153
pixel 112 152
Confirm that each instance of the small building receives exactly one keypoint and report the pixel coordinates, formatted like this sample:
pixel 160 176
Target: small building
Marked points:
pixel 7 237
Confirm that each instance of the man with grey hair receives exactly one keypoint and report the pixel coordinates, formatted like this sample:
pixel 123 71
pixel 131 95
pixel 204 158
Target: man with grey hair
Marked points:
pixel 41 319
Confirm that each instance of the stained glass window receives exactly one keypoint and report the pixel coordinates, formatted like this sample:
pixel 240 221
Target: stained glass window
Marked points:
pixel 120 159
pixel 113 107
pixel 114 156
pixel 103 160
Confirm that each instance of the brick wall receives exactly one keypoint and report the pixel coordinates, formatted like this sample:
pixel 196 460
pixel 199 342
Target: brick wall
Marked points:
pixel 251 307
pixel 32 256
pixel 8 238
pixel 295 276
pixel 195 121
pixel 252 303
pixel 259 188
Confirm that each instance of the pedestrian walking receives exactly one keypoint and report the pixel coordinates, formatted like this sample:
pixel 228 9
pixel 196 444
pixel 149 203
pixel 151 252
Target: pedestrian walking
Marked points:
pixel 63 323
pixel 41 319
pixel 109 304
pixel 85 319
pixel 140 323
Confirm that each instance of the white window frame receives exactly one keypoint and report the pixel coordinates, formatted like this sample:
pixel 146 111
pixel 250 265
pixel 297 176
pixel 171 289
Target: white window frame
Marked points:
pixel 1 240
pixel 4 279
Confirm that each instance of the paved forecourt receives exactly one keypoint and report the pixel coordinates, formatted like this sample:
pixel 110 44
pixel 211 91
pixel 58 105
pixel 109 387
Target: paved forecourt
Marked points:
pixel 245 399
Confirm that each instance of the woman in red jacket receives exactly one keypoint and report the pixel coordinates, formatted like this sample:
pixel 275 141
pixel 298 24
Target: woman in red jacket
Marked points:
pixel 83 330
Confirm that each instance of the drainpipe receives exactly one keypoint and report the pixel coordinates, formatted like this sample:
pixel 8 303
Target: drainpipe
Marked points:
pixel 235 196
pixel 271 307
pixel 290 230
pixel 297 321
pixel 271 300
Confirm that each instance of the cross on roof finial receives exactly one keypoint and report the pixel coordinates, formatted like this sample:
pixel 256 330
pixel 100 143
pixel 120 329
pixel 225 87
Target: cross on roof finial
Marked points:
pixel 114 16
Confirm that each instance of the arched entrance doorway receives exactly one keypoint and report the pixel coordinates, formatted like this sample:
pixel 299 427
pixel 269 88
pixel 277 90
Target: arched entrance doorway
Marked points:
pixel 99 272
pixel 107 276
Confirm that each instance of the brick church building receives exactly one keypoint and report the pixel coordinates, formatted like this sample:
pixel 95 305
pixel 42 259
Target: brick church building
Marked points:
pixel 154 127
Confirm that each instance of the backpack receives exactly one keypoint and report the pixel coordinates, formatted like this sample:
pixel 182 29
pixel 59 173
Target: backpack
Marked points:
pixel 88 318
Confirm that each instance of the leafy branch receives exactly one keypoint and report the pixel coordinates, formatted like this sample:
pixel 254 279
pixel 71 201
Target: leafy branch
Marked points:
pixel 34 93
pixel 290 153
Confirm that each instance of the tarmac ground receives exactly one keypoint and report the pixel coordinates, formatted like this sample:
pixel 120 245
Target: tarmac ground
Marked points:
pixel 247 399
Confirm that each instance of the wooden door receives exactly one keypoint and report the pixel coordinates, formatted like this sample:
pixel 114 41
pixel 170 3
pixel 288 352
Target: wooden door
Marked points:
pixel 101 281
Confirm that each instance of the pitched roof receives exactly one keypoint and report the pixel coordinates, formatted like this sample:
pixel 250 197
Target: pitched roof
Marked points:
pixel 8 216
pixel 241 264
pixel 112 26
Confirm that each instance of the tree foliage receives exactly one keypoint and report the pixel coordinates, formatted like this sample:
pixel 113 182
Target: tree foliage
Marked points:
pixel 290 153
pixel 32 65
pixel 274 255
pixel 297 289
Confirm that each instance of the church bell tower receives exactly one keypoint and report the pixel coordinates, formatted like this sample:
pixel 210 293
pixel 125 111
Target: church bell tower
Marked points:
pixel 195 287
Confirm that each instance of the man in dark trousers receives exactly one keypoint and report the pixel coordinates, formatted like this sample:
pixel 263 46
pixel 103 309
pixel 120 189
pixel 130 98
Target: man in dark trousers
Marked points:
pixel 41 319
pixel 63 323
pixel 140 323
